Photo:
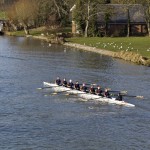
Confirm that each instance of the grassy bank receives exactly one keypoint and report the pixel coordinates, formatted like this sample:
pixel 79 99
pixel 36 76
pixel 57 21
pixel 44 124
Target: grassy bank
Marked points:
pixel 134 44
pixel 41 30
pixel 134 49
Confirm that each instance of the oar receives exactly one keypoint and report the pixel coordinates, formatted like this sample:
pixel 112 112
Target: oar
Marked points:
pixel 115 91
pixel 59 92
pixel 122 92
pixel 89 84
pixel 48 87
pixel 135 96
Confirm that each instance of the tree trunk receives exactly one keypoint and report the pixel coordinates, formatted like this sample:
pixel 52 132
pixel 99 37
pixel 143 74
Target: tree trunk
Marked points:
pixel 13 26
pixel 87 21
pixel 86 28
pixel 128 23
pixel 148 27
pixel 26 30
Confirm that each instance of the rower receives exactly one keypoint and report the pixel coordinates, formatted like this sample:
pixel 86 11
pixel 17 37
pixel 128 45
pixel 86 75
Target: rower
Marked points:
pixel 83 88
pixel 70 84
pixel 106 93
pixel 77 86
pixel 99 91
pixel 64 83
pixel 58 81
pixel 119 97
pixel 92 90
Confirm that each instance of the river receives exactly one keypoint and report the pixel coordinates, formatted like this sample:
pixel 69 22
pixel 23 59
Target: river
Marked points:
pixel 32 119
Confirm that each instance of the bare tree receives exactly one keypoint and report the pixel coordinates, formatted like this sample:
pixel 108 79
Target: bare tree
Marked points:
pixel 126 8
pixel 23 12
pixel 146 9
pixel 50 9
pixel 85 11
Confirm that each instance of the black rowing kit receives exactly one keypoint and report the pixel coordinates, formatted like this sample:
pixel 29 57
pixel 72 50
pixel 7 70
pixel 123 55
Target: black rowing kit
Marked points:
pixel 106 94
pixel 99 92
pixel 119 97
pixel 84 88
pixel 58 82
pixel 70 85
pixel 92 90
pixel 64 83
pixel 77 86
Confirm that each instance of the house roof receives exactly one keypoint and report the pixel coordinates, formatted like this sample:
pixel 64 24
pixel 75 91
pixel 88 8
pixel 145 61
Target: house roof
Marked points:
pixel 120 15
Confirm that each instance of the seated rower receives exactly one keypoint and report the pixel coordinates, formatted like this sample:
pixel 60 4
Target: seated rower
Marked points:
pixel 99 91
pixel 58 81
pixel 64 83
pixel 70 84
pixel 83 88
pixel 119 97
pixel 106 93
pixel 77 86
pixel 92 90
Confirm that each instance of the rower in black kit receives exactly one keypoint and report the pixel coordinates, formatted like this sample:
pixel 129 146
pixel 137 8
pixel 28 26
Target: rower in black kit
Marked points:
pixel 77 86
pixel 119 97
pixel 58 81
pixel 64 83
pixel 70 84
pixel 84 88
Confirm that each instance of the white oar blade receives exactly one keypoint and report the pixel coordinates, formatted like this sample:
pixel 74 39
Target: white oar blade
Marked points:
pixel 140 97
pixel 39 88
pixel 123 92
pixel 54 93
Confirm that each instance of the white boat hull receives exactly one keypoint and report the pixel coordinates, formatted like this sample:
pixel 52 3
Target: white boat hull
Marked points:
pixel 85 95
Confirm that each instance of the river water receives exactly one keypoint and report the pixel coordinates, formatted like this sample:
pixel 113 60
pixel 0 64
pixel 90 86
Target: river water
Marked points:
pixel 32 119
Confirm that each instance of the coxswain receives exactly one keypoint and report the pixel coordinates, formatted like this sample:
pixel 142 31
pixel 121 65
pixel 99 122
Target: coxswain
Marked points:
pixel 119 97
pixel 64 83
pixel 99 91
pixel 92 90
pixel 70 84
pixel 106 93
pixel 83 88
pixel 58 81
pixel 77 86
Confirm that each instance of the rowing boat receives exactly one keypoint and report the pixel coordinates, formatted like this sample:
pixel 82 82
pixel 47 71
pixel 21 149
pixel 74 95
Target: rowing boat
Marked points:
pixel 85 95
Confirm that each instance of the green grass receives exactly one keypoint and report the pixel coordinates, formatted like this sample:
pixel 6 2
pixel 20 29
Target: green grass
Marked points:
pixel 2 15
pixel 40 30
pixel 17 33
pixel 139 45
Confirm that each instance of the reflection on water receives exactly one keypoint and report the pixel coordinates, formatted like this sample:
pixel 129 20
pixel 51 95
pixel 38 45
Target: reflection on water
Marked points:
pixel 31 120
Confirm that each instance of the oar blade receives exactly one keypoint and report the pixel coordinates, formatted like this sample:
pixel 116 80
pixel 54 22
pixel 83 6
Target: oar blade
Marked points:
pixel 54 93
pixel 140 97
pixel 39 88
pixel 134 96
pixel 43 88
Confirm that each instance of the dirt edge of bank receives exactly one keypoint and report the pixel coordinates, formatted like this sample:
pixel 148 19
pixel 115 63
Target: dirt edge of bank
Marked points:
pixel 128 56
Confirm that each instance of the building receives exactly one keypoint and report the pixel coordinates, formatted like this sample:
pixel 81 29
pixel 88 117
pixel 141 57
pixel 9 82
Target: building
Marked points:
pixel 121 18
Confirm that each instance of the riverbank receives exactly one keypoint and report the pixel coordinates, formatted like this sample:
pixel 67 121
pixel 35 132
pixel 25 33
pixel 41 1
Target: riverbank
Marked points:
pixel 125 55
pixel 120 48
pixel 128 56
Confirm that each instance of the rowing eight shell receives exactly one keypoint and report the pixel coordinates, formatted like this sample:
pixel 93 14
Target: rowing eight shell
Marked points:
pixel 87 96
